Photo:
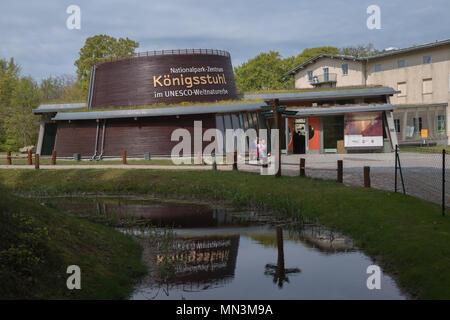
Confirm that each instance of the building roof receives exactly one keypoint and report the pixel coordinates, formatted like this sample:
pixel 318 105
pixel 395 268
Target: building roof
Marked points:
pixel 322 94
pixel 158 112
pixel 322 55
pixel 53 108
pixel 376 56
pixel 341 110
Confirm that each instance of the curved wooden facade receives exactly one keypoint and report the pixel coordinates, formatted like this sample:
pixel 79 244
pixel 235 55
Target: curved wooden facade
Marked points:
pixel 135 136
pixel 168 77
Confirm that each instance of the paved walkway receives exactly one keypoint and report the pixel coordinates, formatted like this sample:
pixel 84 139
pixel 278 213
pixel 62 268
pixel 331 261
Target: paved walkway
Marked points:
pixel 422 172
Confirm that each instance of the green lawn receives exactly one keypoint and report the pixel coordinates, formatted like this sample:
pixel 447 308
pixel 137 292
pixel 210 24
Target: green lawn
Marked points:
pixel 38 243
pixel 407 236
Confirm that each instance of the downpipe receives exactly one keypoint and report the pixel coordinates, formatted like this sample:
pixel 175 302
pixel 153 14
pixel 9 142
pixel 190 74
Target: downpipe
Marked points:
pixel 96 143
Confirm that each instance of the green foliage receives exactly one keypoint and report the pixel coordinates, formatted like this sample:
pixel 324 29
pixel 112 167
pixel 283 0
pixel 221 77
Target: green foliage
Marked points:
pixel 9 75
pixel 20 124
pixel 360 51
pixel 61 89
pixel 97 48
pixel 267 71
pixel 38 243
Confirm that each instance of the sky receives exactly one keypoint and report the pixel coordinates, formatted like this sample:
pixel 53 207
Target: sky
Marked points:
pixel 36 35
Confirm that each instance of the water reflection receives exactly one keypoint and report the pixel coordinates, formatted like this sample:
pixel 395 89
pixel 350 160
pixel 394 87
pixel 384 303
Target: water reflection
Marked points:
pixel 278 272
pixel 219 254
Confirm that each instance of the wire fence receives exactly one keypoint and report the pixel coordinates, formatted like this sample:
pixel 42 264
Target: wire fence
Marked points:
pixel 424 175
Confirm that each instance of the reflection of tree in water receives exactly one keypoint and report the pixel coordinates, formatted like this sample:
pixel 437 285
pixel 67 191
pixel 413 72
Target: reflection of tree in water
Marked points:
pixel 278 271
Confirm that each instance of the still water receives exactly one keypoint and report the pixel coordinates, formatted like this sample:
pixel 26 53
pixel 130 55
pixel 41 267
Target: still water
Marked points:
pixel 220 254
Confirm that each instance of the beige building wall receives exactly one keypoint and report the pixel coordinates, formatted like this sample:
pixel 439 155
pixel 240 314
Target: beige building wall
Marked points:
pixel 420 83
pixel 355 75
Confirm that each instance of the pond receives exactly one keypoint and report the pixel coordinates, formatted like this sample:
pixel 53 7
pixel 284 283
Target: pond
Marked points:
pixel 204 252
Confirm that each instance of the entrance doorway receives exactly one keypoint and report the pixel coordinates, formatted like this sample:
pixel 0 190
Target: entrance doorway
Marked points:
pixel 48 142
pixel 333 134
pixel 299 136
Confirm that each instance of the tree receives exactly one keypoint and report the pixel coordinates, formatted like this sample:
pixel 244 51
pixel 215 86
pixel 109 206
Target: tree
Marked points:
pixel 9 76
pixel 360 51
pixel 264 71
pixel 61 89
pixel 99 47
pixel 268 70
pixel 20 122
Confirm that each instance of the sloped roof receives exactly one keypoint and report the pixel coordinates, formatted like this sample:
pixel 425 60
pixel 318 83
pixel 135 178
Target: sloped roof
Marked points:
pixel 376 56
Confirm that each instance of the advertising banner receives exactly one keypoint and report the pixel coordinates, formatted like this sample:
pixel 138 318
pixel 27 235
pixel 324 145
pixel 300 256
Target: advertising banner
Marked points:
pixel 362 130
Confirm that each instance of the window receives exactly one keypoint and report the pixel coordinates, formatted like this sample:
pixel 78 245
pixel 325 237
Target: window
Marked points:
pixel 441 123
pixel 427 86
pixel 345 69
pixel 397 125
pixel 401 64
pixel 378 67
pixel 401 86
pixel 417 123
pixel 310 75
pixel 426 59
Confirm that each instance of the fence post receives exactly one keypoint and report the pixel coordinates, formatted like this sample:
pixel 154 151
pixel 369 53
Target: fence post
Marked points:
pixel 36 161
pixel 214 164
pixel 124 157
pixel 53 157
pixel 235 159
pixel 8 158
pixel 367 177
pixel 340 171
pixel 395 178
pixel 443 182
pixel 30 161
pixel 302 167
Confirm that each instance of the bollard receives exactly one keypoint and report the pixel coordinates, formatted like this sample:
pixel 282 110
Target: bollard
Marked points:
pixel 367 177
pixel 30 161
pixel 124 157
pixel 53 157
pixel 8 158
pixel 235 167
pixel 339 171
pixel 214 164
pixel 302 167
pixel 36 161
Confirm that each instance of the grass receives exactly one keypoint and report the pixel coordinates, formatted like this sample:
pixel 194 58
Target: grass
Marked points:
pixel 38 243
pixel 407 236
pixel 425 149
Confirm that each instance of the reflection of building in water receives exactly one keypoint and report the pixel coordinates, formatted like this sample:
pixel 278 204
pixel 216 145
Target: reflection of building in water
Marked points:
pixel 323 239
pixel 165 214
pixel 202 261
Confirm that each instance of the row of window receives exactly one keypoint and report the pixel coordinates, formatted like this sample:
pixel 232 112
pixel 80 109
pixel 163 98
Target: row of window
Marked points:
pixel 417 124
pixel 402 63
pixel 427 87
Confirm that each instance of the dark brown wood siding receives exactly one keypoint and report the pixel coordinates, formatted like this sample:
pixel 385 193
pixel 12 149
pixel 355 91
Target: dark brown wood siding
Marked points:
pixel 129 82
pixel 75 137
pixel 151 134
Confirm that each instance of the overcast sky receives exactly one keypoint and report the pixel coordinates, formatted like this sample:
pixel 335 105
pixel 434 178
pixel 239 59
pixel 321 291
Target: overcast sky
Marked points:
pixel 35 32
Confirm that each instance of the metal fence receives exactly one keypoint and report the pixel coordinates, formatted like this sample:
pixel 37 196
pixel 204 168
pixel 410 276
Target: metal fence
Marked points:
pixel 424 175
